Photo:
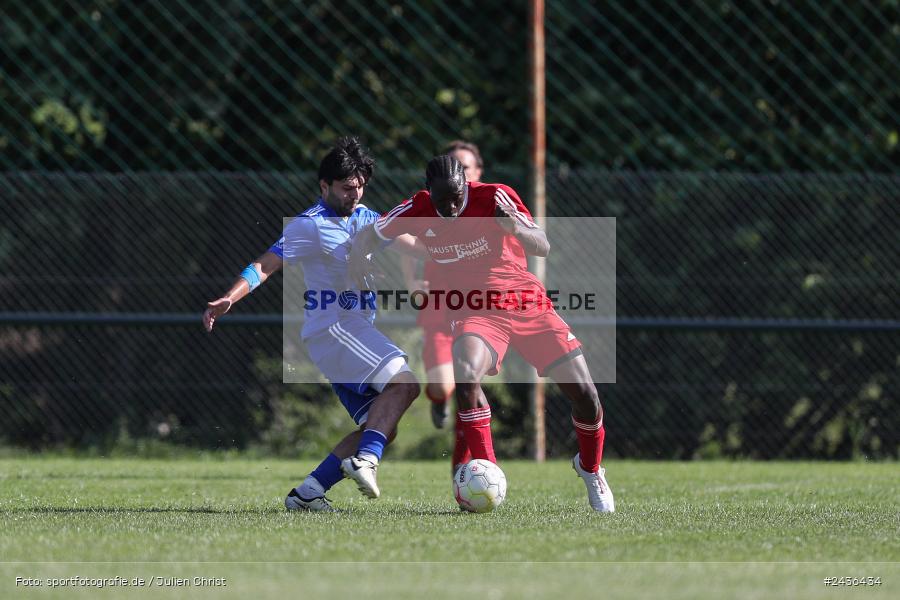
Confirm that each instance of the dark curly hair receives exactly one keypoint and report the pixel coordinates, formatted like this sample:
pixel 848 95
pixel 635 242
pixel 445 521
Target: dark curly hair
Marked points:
pixel 348 158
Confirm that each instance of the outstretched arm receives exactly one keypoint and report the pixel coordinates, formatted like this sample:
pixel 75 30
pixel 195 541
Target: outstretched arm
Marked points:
pixel 533 238
pixel 264 266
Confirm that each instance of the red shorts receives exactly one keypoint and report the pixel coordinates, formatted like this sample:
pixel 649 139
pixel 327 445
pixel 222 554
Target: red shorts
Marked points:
pixel 542 338
pixel 437 346
pixel 437 343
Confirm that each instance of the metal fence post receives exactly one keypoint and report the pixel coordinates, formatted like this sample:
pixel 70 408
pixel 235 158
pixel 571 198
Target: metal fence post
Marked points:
pixel 538 189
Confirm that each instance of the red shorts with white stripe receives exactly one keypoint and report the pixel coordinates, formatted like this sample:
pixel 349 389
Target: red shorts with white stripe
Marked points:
pixel 543 338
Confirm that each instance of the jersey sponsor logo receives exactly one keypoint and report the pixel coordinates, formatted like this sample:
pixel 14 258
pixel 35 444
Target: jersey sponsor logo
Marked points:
pixel 429 233
pixel 456 252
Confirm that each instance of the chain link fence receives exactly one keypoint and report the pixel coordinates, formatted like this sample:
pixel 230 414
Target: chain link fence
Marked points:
pixel 756 313
pixel 748 151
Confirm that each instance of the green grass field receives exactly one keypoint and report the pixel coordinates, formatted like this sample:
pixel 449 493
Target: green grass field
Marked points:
pixel 681 530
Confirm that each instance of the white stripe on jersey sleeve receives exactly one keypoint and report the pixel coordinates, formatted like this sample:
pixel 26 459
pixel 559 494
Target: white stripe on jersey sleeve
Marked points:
pixel 392 214
pixel 503 198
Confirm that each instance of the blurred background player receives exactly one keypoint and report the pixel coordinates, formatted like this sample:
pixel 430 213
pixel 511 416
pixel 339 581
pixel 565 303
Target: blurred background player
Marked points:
pixel 437 339
pixel 367 371
pixel 497 231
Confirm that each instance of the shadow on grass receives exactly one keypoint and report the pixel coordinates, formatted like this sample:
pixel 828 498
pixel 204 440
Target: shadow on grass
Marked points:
pixel 268 510
pixel 129 476
pixel 103 510
pixel 424 512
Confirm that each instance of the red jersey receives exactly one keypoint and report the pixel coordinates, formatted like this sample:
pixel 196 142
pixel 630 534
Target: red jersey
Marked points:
pixel 470 251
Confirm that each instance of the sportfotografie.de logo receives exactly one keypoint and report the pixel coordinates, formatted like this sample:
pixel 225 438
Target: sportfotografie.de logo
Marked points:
pixel 437 299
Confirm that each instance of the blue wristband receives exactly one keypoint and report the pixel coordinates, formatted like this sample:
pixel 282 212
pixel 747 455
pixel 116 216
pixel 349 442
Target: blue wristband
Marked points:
pixel 251 276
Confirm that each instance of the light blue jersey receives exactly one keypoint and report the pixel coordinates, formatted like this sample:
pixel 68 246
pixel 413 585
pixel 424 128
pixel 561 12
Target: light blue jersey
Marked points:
pixel 320 240
pixel 341 339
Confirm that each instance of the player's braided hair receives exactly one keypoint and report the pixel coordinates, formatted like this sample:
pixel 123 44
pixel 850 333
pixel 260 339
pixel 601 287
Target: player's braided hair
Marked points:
pixel 348 158
pixel 445 175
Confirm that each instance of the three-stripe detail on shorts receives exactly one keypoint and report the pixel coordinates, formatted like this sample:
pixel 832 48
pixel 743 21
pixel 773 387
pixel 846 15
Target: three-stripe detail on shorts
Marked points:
pixel 354 345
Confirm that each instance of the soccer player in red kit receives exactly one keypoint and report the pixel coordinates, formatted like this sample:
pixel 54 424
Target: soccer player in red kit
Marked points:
pixel 479 236
pixel 437 338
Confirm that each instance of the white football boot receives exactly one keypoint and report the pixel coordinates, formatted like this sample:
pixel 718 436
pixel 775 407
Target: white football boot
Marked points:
pixel 294 501
pixel 363 472
pixel 600 495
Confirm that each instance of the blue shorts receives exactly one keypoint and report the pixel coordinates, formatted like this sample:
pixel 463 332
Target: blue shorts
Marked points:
pixel 356 404
pixel 350 353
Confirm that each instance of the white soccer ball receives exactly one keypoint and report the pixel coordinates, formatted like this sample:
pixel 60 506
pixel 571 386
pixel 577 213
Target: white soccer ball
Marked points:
pixel 479 486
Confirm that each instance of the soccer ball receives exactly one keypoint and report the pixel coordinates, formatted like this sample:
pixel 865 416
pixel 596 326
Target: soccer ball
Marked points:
pixel 479 486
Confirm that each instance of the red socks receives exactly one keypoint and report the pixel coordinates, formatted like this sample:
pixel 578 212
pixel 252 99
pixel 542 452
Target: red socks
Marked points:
pixel 590 444
pixel 461 454
pixel 476 427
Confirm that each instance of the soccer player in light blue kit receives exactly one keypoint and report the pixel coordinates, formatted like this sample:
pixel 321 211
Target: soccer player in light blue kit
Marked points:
pixel 367 371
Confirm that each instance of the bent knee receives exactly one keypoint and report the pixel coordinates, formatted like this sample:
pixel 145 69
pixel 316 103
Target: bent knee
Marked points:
pixel 586 392
pixel 466 372
pixel 586 398
pixel 407 383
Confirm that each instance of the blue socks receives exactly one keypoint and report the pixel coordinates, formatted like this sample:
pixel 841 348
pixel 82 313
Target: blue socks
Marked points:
pixel 329 472
pixel 371 445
